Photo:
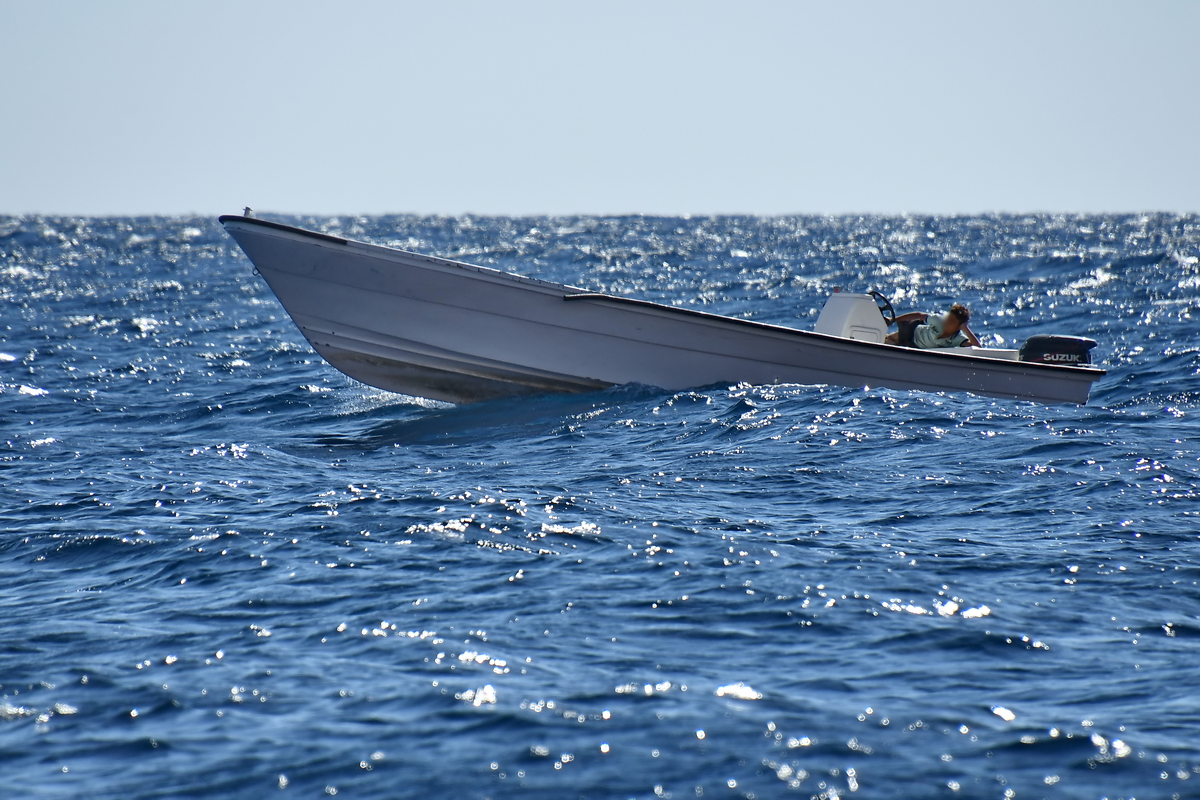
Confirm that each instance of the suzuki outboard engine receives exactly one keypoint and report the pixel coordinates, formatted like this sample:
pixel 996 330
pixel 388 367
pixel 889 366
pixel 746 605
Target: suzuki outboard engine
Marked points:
pixel 1068 351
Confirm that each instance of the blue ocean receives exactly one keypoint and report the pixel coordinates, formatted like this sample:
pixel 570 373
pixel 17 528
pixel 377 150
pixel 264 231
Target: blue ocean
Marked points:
pixel 226 570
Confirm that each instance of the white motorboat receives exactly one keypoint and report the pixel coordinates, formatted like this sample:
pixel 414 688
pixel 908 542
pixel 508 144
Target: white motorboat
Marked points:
pixel 441 329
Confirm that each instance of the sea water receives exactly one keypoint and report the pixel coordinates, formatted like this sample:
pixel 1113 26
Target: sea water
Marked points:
pixel 227 570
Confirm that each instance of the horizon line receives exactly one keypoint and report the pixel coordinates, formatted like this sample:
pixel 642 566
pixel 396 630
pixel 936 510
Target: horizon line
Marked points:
pixel 604 215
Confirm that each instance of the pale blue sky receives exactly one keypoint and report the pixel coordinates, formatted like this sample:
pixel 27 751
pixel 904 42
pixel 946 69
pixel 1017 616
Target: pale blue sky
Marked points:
pixel 122 107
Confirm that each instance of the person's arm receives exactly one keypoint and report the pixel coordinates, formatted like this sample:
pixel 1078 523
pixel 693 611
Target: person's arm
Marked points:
pixel 913 316
pixel 972 339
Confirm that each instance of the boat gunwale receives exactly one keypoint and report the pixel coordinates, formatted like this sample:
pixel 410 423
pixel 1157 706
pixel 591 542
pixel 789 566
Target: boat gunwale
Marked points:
pixel 895 349
pixel 1088 372
pixel 394 251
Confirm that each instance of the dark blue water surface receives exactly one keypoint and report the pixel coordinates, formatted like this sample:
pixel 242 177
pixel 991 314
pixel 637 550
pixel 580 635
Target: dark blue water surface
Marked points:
pixel 226 570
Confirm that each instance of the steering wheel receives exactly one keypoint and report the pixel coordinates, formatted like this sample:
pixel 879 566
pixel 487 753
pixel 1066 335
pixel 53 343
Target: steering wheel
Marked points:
pixel 885 307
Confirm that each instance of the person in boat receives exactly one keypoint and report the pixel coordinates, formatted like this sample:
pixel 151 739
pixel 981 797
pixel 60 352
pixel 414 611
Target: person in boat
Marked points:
pixel 925 331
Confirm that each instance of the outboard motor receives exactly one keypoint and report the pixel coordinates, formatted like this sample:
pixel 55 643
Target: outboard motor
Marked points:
pixel 1067 351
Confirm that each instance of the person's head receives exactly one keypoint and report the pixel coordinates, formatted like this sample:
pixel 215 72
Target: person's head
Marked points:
pixel 958 316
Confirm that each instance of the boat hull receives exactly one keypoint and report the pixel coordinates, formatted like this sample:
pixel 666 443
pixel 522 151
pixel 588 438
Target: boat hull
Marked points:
pixel 440 329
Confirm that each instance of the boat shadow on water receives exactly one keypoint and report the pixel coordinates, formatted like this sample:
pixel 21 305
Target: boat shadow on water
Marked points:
pixel 490 421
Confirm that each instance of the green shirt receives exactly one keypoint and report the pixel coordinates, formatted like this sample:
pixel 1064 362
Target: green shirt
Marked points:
pixel 928 335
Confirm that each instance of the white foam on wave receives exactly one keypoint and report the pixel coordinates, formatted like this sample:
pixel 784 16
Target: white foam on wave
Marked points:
pixel 738 691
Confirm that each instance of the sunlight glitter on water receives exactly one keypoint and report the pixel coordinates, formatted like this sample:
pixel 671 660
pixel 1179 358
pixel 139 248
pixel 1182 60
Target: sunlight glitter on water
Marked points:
pixel 877 570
